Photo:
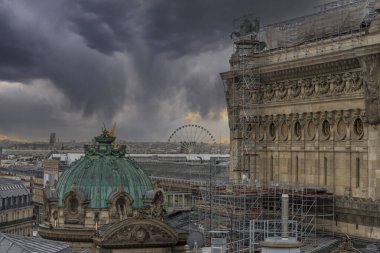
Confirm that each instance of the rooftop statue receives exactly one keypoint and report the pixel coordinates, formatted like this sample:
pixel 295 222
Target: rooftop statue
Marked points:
pixel 246 28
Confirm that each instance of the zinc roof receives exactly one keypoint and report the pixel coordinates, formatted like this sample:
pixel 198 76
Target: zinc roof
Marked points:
pixel 12 188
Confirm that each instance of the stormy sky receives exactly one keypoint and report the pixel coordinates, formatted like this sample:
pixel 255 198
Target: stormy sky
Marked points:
pixel 68 66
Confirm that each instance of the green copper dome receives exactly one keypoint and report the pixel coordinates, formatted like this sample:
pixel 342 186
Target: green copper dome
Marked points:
pixel 101 172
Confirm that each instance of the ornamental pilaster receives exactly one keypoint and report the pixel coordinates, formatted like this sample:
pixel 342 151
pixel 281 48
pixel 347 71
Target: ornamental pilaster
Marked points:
pixel 371 77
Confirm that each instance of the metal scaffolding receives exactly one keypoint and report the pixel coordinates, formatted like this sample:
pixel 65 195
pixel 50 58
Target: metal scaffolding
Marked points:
pixel 228 209
pixel 332 19
pixel 247 211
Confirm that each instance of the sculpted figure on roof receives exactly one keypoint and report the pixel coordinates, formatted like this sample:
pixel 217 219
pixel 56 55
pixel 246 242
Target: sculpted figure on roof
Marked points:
pixel 246 28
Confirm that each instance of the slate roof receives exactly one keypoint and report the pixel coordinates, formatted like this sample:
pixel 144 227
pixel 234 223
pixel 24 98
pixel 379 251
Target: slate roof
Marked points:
pixel 12 188
pixel 22 244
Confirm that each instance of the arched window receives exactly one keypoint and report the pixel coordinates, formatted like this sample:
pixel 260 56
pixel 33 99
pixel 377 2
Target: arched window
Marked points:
pixel 325 170
pixel 120 205
pixel 357 172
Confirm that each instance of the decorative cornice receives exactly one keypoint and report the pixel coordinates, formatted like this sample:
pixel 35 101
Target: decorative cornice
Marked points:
pixel 66 234
pixel 311 70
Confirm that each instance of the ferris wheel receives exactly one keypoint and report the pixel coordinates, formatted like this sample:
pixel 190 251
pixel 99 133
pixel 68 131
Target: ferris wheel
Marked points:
pixel 192 138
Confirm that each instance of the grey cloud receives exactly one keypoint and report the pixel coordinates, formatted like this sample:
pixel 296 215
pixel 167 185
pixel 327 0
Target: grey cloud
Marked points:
pixel 17 49
pixel 21 112
pixel 105 25
pixel 92 82
pixel 87 47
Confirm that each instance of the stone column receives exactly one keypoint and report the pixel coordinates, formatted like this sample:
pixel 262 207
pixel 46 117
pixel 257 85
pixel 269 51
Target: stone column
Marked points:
pixel 371 74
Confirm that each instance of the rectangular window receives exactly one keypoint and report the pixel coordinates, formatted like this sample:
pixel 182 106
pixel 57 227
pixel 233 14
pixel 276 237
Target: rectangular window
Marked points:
pixel 297 169
pixel 357 172
pixel 271 168
pixel 325 171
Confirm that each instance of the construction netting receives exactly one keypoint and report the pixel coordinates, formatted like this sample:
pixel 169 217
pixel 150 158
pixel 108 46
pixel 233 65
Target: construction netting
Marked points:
pixel 343 18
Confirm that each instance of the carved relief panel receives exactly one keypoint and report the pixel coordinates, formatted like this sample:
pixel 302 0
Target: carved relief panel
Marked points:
pixel 138 233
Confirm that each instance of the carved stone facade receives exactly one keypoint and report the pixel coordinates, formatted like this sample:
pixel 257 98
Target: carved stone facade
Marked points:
pixel 311 115
pixel 142 227
pixel 310 88
pixel 370 65
pixel 294 147
pixel 138 233
pixel 107 203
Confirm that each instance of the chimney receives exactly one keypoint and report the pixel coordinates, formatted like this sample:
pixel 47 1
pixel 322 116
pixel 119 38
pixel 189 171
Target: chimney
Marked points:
pixel 285 216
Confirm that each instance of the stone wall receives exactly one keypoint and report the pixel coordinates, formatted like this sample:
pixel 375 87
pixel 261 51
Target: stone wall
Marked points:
pixel 310 114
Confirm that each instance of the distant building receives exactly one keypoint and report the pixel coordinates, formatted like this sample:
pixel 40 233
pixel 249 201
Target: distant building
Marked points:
pixel 16 209
pixel 52 140
pixel 53 168
pixel 32 179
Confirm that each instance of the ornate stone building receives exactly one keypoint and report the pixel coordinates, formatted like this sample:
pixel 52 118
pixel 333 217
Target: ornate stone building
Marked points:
pixel 303 104
pixel 105 202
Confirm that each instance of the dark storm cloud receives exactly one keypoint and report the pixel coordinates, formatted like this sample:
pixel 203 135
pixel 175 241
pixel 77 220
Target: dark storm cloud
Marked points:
pixel 17 49
pixel 23 110
pixel 172 29
pixel 38 44
pixel 183 27
pixel 105 25
pixel 104 55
